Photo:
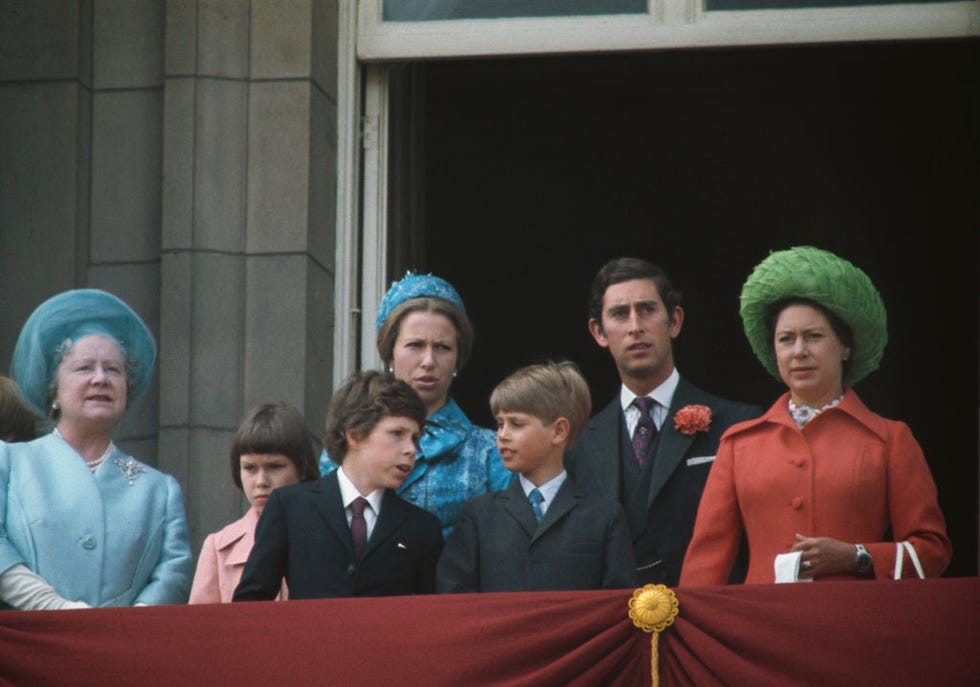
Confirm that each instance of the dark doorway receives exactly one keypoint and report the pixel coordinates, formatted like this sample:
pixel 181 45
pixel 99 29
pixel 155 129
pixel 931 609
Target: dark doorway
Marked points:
pixel 528 174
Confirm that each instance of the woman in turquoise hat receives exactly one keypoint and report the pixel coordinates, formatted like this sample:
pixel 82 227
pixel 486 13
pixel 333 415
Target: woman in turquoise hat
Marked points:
pixel 424 339
pixel 820 486
pixel 85 524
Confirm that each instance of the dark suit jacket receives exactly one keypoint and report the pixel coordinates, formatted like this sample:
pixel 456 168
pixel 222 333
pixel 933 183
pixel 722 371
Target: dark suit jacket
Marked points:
pixel 497 545
pixel 661 503
pixel 303 536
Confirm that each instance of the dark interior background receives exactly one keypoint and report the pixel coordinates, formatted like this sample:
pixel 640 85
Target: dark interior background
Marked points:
pixel 525 175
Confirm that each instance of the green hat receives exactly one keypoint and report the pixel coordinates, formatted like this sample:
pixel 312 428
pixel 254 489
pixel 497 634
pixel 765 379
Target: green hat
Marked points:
pixel 831 281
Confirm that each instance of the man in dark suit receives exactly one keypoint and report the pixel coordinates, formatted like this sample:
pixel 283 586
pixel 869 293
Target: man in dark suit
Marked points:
pixel 653 456
pixel 542 533
pixel 349 534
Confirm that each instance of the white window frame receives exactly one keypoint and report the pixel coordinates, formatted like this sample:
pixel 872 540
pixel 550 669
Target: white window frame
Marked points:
pixel 360 259
pixel 667 24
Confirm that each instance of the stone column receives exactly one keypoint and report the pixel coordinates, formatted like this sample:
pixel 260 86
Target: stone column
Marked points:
pixel 249 124
pixel 81 92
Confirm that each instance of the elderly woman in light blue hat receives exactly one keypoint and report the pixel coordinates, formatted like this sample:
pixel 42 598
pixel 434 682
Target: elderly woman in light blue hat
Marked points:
pixel 821 487
pixel 424 339
pixel 85 524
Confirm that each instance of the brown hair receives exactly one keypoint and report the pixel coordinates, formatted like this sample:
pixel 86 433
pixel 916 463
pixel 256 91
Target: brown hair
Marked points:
pixel 17 422
pixel 843 331
pixel 362 402
pixel 275 428
pixel 548 391
pixel 388 333
pixel 626 269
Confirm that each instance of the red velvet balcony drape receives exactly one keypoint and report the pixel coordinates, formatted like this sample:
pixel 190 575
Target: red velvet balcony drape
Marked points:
pixel 846 633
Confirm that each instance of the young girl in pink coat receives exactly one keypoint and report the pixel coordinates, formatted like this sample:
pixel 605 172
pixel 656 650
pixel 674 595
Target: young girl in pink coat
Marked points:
pixel 271 449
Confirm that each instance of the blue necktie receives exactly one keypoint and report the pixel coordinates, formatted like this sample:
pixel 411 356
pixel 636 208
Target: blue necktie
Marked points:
pixel 646 430
pixel 536 498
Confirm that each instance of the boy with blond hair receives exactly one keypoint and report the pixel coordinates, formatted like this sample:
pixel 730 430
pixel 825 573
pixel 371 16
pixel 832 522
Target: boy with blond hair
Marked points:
pixel 542 532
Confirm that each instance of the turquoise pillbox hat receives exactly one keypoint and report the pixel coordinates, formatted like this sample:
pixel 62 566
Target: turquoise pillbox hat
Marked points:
pixel 416 286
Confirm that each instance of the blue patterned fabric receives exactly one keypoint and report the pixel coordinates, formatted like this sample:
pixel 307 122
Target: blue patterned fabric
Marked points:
pixel 455 462
pixel 416 286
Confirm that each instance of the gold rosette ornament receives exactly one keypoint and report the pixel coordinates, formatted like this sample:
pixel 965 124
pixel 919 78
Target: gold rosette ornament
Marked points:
pixel 652 609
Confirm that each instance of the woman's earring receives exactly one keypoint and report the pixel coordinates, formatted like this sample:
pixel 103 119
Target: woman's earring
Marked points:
pixel 55 406
pixel 455 372
pixel 391 369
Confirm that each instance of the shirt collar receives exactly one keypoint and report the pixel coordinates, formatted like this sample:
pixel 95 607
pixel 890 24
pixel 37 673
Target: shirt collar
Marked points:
pixel 663 394
pixel 548 489
pixel 348 492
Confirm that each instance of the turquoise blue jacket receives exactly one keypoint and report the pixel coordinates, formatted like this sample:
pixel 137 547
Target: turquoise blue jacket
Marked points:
pixel 114 537
pixel 456 461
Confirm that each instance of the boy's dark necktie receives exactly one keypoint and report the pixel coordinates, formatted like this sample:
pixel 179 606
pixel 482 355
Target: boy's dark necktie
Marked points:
pixel 358 525
pixel 646 429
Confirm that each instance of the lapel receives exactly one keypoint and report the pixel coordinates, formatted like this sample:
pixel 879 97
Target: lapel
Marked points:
pixel 238 538
pixel 671 445
pixel 564 502
pixel 326 497
pixel 394 512
pixel 603 433
pixel 518 507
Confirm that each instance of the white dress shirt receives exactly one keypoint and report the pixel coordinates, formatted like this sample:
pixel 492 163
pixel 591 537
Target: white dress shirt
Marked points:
pixel 348 492
pixel 548 489
pixel 663 395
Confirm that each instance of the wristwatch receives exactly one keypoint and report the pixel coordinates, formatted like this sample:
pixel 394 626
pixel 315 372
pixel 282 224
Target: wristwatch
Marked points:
pixel 863 560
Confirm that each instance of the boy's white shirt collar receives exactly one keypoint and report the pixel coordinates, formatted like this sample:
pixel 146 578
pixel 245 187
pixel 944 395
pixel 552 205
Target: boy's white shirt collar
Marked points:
pixel 663 395
pixel 348 492
pixel 548 489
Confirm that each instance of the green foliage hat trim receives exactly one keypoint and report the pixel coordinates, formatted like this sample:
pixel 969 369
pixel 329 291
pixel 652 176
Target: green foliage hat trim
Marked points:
pixel 832 281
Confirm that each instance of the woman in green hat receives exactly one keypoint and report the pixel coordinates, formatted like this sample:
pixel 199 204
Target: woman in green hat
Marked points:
pixel 816 484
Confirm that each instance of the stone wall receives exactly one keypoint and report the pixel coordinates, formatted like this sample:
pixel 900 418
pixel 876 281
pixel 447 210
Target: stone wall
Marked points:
pixel 182 155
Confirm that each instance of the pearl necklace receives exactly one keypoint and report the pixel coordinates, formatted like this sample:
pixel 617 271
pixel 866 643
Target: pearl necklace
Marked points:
pixel 93 465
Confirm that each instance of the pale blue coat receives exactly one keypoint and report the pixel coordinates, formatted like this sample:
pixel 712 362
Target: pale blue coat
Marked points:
pixel 115 537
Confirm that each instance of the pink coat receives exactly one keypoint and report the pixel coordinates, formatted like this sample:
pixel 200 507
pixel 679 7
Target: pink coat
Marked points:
pixel 222 560
pixel 848 474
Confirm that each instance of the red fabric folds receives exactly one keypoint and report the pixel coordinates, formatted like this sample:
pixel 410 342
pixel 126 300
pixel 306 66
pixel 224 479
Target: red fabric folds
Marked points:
pixel 908 632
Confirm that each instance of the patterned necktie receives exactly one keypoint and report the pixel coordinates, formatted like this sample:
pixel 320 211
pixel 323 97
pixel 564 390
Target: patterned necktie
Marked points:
pixel 536 498
pixel 358 525
pixel 646 430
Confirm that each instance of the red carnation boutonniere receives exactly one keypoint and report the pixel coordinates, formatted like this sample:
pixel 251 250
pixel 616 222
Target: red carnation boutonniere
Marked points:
pixel 692 418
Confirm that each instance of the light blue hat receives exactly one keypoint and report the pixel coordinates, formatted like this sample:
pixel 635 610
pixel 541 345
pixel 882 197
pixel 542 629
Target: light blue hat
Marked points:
pixel 68 317
pixel 416 286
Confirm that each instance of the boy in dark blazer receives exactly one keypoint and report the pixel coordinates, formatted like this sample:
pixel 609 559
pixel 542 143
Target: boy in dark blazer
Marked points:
pixel 349 534
pixel 541 533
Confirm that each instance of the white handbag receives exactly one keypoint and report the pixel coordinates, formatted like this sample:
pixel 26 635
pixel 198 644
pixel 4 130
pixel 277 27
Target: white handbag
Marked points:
pixel 904 546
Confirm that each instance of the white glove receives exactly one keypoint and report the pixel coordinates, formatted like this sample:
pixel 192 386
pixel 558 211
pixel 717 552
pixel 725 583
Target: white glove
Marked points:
pixel 25 590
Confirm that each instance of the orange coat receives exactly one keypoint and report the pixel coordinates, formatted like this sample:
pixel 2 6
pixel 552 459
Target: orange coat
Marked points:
pixel 222 560
pixel 848 474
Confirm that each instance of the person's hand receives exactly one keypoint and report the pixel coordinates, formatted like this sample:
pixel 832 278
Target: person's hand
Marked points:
pixel 824 556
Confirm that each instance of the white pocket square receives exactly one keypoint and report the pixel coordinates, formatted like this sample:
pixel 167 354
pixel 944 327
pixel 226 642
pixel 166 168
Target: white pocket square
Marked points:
pixel 699 460
pixel 402 546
